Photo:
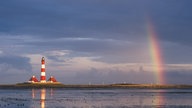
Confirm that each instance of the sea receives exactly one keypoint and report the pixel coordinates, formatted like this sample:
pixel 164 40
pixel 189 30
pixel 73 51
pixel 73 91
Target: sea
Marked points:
pixel 95 98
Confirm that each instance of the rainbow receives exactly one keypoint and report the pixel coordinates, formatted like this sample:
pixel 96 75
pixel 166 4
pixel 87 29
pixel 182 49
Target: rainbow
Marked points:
pixel 157 61
pixel 155 51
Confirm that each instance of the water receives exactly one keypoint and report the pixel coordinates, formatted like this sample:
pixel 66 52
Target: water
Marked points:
pixel 95 98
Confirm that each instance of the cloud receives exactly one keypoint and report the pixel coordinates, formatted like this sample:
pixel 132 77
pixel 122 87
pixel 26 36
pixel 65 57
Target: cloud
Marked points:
pixel 178 77
pixel 97 19
pixel 96 76
pixel 69 19
pixel 14 68
pixel 176 53
pixel 16 62
pixel 109 50
pixel 1 52
pixel 83 70
pixel 102 38
pixel 57 55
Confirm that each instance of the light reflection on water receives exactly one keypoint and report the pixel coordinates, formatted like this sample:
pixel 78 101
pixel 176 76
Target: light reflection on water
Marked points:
pixel 43 94
pixel 95 98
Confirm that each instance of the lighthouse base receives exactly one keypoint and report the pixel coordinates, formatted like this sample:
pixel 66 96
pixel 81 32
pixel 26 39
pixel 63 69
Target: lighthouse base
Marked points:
pixel 43 81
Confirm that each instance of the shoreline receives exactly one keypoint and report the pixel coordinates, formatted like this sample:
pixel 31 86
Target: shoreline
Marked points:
pixel 94 86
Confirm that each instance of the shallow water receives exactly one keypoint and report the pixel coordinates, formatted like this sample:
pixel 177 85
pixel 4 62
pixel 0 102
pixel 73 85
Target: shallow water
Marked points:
pixel 95 98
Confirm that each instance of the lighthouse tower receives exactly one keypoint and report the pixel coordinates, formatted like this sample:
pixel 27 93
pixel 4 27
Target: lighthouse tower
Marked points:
pixel 43 76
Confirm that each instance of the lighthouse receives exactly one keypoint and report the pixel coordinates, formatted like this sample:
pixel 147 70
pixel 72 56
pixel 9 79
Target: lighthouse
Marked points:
pixel 43 76
pixel 42 80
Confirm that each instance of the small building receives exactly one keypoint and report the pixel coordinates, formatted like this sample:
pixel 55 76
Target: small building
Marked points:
pixel 33 79
pixel 52 80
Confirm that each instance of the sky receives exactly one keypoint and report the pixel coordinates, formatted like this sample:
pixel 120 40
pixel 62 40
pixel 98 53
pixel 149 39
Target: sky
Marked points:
pixel 95 41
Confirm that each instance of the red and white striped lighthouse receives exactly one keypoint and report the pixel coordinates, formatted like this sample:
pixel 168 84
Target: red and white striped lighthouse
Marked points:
pixel 43 76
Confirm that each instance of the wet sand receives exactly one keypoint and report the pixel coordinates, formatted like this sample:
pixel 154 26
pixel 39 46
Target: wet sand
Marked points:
pixel 95 98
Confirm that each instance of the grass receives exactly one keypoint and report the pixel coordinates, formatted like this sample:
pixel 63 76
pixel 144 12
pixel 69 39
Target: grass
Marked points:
pixel 60 85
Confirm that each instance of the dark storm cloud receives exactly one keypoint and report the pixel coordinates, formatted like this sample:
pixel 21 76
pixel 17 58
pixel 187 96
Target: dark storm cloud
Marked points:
pixel 118 19
pixel 115 31
pixel 172 20
pixel 15 62
pixel 108 19
pixel 100 19
pixel 14 68
pixel 82 44
pixel 70 18
pixel 108 50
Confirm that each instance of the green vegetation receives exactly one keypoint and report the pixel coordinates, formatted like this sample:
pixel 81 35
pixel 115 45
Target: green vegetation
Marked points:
pixel 39 85
pixel 59 85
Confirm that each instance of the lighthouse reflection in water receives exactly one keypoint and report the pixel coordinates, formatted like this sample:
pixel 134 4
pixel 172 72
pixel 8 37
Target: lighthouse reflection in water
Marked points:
pixel 99 98
pixel 42 96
